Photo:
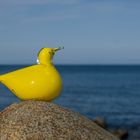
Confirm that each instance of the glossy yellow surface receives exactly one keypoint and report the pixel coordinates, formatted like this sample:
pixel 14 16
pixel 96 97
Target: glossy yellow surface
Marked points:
pixel 38 82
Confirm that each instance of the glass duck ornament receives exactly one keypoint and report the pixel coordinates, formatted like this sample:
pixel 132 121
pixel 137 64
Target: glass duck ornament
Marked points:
pixel 37 82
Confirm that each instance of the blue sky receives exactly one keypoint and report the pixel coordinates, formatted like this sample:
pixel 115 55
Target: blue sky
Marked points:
pixel 92 31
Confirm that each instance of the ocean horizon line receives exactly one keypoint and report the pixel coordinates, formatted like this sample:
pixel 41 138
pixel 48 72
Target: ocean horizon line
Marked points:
pixel 74 64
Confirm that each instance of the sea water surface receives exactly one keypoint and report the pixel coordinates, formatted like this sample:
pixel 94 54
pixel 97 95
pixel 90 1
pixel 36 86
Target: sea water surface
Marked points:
pixel 109 91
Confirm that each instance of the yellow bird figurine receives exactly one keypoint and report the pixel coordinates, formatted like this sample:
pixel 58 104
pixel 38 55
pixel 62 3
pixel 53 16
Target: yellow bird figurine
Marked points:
pixel 37 82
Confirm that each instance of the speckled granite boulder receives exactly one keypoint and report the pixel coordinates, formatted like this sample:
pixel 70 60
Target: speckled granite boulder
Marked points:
pixel 37 120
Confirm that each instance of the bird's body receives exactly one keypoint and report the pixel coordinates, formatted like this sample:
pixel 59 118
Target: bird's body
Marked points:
pixel 38 82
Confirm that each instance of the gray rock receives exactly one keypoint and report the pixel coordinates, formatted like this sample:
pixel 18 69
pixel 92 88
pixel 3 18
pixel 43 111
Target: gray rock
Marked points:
pixel 101 122
pixel 37 120
pixel 120 133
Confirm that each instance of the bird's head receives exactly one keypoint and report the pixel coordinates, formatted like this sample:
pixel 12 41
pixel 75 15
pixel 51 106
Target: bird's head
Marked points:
pixel 45 55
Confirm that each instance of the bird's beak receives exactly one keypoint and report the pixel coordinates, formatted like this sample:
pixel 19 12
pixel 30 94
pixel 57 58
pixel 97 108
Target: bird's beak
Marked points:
pixel 57 49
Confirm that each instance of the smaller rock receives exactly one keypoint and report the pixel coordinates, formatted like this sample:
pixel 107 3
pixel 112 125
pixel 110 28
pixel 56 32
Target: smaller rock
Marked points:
pixel 101 122
pixel 120 133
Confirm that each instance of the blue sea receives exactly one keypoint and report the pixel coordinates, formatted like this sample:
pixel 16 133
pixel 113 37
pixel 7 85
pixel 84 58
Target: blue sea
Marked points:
pixel 109 91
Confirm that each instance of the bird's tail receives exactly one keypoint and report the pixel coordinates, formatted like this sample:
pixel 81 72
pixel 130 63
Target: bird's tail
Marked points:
pixel 0 78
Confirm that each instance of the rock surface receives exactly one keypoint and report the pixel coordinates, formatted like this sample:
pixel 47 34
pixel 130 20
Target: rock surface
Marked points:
pixel 37 120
